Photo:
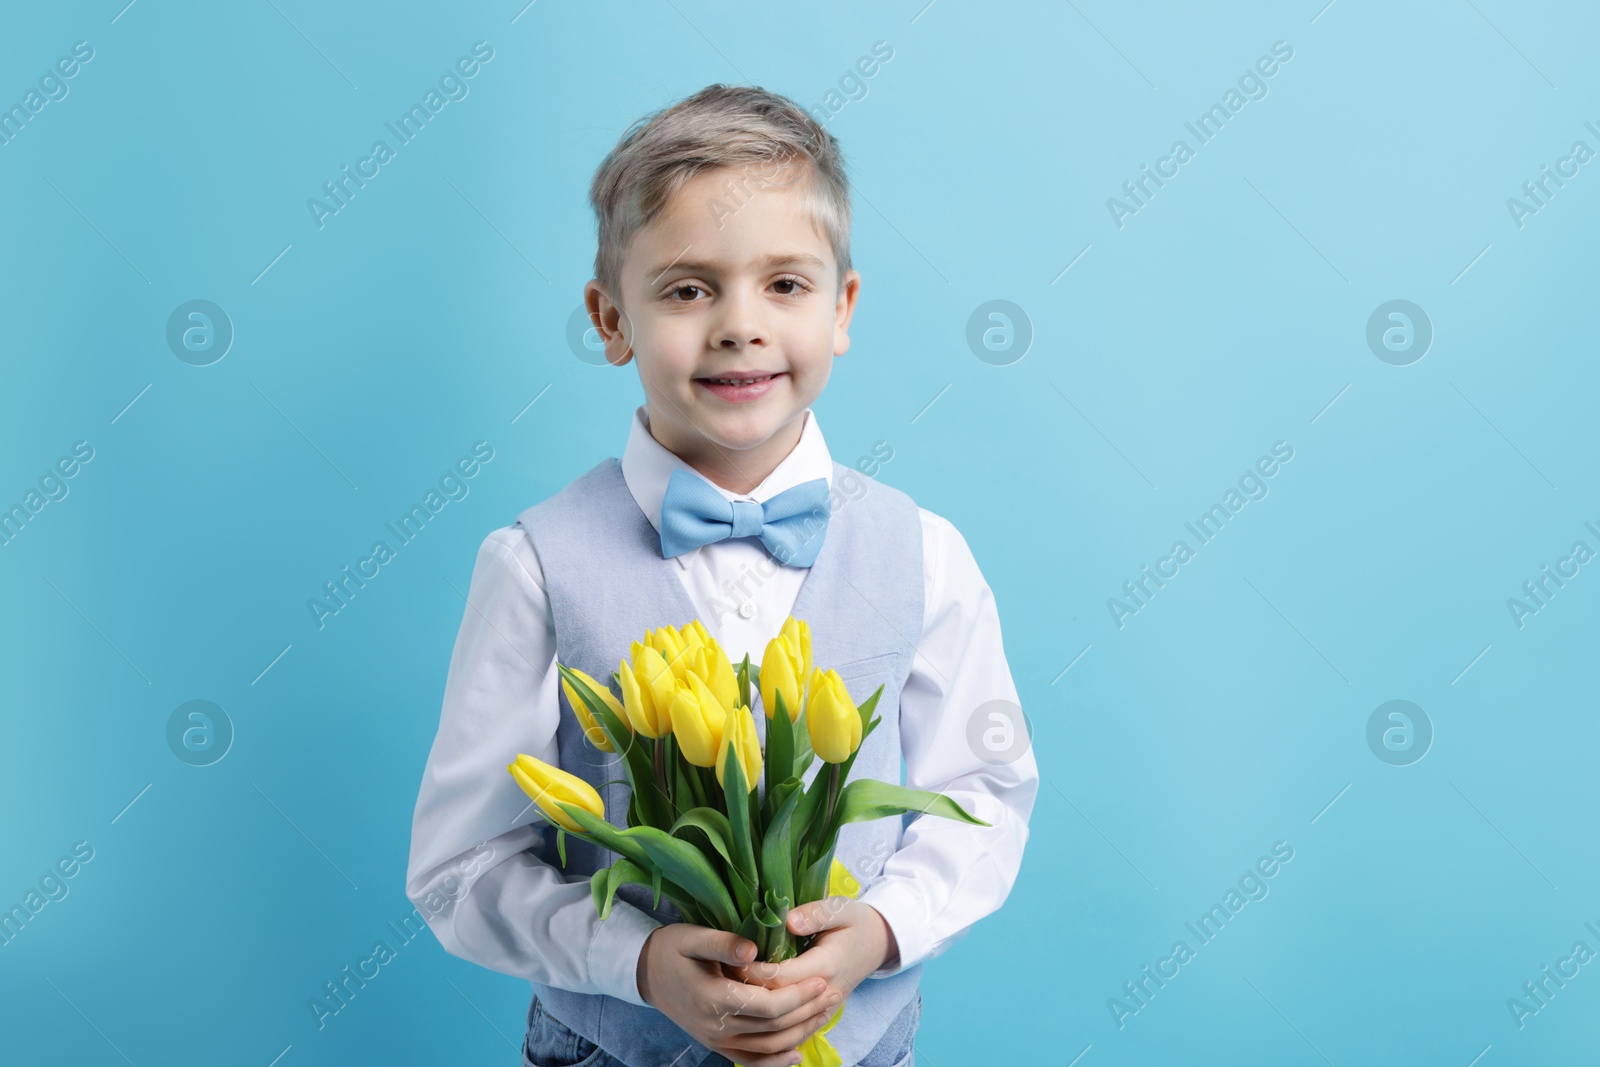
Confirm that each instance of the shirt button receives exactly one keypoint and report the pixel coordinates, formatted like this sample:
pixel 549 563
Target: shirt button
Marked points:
pixel 747 610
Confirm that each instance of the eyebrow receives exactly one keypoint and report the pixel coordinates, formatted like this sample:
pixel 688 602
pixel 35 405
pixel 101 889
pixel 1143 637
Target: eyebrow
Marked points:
pixel 775 260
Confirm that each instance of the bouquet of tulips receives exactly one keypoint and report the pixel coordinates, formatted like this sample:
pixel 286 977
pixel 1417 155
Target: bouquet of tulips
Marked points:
pixel 696 831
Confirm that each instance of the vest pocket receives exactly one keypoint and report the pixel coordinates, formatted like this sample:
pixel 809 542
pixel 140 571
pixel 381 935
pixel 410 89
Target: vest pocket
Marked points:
pixel 857 667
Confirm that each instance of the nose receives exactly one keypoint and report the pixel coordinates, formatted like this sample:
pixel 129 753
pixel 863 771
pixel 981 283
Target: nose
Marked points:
pixel 739 322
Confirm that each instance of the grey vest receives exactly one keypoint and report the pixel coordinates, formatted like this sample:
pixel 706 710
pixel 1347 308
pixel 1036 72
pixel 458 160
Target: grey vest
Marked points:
pixel 863 601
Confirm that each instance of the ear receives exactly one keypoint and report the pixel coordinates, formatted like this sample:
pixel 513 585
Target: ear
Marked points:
pixel 843 310
pixel 610 322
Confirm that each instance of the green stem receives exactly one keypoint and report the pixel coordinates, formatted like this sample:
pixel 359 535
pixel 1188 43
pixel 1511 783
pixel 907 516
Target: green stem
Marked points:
pixel 659 745
pixel 833 793
pixel 666 775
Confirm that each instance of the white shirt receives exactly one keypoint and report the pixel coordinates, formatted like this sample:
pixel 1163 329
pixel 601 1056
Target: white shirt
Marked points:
pixel 489 900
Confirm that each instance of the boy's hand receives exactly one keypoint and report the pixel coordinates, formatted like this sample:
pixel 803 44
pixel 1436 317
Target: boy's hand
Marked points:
pixel 851 940
pixel 681 975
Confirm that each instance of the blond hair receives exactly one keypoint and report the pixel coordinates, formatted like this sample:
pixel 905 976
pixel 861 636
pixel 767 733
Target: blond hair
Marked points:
pixel 719 126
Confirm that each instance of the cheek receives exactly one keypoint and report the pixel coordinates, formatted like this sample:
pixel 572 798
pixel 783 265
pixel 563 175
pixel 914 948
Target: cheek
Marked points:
pixel 811 335
pixel 673 345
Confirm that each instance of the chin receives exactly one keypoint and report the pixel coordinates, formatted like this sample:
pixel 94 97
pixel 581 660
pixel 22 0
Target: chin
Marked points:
pixel 746 436
pixel 745 430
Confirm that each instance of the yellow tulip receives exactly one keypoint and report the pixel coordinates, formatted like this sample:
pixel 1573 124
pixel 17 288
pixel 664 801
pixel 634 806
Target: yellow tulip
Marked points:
pixel 645 714
pixel 710 662
pixel 550 787
pixel 832 718
pixel 779 665
pixel 699 663
pixel 665 640
pixel 699 628
pixel 799 635
pixel 591 728
pixel 653 672
pixel 740 738
pixel 720 677
pixel 697 722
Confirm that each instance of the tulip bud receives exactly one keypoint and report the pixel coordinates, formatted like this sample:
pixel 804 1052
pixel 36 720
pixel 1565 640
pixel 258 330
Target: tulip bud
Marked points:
pixel 720 677
pixel 591 728
pixel 550 787
pixel 699 658
pixel 690 638
pixel 654 674
pixel 778 676
pixel 832 719
pixel 696 723
pixel 799 635
pixel 665 640
pixel 740 738
pixel 646 714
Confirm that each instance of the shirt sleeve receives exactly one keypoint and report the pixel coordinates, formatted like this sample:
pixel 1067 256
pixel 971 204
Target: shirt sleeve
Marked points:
pixel 472 872
pixel 946 875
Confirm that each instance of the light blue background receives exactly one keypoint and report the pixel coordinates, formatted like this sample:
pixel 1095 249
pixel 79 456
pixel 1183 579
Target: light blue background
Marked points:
pixel 1225 316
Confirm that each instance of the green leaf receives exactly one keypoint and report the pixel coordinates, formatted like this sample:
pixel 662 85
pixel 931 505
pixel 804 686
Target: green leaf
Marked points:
pixel 688 866
pixel 714 825
pixel 814 879
pixel 780 942
pixel 780 746
pixel 682 788
pixel 867 798
pixel 736 794
pixel 744 891
pixel 775 797
pixel 605 835
pixel 809 831
pixel 778 850
pixel 804 755
pixel 866 706
pixel 743 673
pixel 606 881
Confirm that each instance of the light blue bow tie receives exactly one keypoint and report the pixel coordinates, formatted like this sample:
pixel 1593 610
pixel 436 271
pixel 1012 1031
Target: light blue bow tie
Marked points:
pixel 791 524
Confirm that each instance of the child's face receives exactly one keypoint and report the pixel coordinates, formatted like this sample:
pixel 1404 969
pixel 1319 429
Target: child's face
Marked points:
pixel 729 281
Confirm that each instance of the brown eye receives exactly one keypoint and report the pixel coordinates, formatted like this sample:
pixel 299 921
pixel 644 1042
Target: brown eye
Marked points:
pixel 798 285
pixel 672 294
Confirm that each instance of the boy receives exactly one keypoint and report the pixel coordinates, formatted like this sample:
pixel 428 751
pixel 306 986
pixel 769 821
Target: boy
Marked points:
pixel 723 272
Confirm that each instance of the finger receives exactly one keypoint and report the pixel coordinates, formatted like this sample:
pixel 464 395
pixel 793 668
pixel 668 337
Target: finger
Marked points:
pixel 746 1008
pixel 817 962
pixel 719 946
pixel 780 1042
pixel 819 915
pixel 815 1009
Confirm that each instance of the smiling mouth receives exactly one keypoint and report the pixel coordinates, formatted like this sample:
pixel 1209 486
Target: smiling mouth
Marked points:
pixel 741 379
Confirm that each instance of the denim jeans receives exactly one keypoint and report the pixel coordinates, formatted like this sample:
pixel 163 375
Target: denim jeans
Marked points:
pixel 550 1043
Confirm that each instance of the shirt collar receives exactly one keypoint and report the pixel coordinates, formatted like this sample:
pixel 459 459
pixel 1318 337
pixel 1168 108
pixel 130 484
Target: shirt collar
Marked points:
pixel 647 465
